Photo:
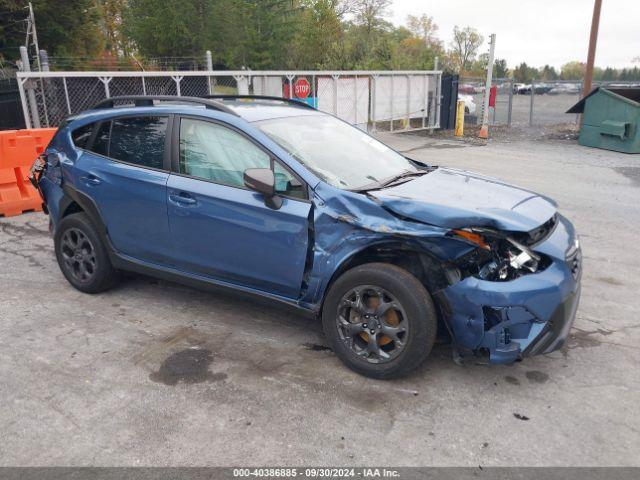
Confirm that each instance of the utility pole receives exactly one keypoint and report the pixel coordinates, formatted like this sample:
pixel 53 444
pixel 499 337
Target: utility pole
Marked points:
pixel 33 105
pixel 593 40
pixel 484 129
pixel 31 30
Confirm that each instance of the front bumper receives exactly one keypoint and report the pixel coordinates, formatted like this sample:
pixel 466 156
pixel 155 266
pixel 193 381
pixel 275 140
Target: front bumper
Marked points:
pixel 527 316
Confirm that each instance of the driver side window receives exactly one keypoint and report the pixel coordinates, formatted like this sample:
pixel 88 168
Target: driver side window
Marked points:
pixel 219 154
pixel 216 153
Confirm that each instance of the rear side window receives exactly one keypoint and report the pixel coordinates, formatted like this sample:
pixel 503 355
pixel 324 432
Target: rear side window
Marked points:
pixel 82 135
pixel 138 140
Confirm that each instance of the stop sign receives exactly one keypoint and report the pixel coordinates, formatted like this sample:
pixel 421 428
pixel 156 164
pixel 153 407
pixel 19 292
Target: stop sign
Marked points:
pixel 301 88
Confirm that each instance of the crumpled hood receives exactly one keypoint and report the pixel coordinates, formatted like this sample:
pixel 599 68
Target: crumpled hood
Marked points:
pixel 452 198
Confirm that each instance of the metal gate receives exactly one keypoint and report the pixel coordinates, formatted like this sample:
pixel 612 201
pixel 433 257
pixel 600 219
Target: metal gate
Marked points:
pixel 10 111
pixel 448 103
pixel 371 100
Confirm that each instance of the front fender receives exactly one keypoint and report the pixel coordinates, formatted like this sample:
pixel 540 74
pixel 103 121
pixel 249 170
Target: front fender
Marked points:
pixel 345 224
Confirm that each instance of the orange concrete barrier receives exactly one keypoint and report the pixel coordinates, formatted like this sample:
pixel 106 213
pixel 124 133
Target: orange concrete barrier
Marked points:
pixel 18 151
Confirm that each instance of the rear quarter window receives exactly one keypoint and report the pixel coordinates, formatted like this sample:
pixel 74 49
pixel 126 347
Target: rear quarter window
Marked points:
pixel 82 135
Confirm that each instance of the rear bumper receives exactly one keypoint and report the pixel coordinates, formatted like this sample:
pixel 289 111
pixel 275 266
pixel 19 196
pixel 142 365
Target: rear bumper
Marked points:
pixel 527 316
pixel 53 197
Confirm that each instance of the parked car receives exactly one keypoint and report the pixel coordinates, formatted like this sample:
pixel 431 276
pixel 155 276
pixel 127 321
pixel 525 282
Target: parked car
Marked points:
pixel 466 88
pixel 273 198
pixel 539 89
pixel 469 104
pixel 542 88
pixel 565 89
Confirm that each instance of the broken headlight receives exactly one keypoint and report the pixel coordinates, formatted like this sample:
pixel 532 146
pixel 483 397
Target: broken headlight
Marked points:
pixel 498 257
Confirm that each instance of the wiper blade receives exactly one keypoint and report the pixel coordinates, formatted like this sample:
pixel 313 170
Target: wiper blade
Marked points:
pixel 396 178
pixel 406 174
pixel 391 181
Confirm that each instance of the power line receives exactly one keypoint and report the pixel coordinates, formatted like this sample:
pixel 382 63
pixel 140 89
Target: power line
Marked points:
pixel 13 23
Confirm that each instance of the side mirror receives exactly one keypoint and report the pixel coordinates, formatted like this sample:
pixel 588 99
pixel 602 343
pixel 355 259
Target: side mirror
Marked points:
pixel 262 180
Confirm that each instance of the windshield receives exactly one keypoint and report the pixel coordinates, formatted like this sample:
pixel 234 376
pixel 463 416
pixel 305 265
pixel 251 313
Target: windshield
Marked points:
pixel 338 153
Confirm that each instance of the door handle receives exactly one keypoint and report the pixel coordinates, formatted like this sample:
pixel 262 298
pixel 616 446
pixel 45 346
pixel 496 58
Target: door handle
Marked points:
pixel 182 199
pixel 91 180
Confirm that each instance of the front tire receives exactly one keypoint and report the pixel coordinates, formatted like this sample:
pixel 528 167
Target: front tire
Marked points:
pixel 379 320
pixel 81 255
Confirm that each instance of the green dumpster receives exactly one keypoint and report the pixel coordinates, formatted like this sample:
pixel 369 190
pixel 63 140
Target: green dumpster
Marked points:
pixel 611 119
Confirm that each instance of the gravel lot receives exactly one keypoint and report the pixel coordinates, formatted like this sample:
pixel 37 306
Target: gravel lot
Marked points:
pixel 89 380
pixel 547 109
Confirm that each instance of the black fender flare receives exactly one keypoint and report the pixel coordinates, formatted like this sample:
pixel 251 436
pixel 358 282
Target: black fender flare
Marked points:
pixel 428 262
pixel 86 203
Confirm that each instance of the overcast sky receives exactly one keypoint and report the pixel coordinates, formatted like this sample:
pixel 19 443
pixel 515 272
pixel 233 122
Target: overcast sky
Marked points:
pixel 538 31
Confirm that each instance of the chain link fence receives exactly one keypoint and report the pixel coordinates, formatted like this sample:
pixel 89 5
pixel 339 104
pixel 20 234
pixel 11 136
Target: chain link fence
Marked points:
pixel 471 91
pixel 525 104
pixel 545 103
pixel 371 100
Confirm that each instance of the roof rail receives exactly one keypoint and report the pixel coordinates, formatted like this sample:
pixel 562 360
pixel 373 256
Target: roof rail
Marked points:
pixel 147 101
pixel 261 97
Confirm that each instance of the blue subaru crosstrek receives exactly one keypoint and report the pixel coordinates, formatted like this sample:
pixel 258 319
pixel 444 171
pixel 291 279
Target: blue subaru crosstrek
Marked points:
pixel 273 198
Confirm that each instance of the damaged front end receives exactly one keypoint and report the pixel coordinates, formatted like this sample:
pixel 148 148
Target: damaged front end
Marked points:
pixel 502 293
pixel 503 256
pixel 517 294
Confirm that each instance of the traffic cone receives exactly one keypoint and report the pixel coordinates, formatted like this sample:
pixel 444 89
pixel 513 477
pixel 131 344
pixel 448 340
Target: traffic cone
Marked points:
pixel 484 132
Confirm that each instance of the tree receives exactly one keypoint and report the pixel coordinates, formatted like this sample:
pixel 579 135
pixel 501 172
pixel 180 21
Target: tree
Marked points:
pixel 548 72
pixel 271 26
pixel 464 47
pixel 609 74
pixel 500 69
pixel 69 28
pixel 573 71
pixel 319 38
pixel 478 68
pixel 112 13
pixel 411 52
pixel 256 34
pixel 370 13
pixel 524 73
pixel 598 73
pixel 423 27
pixel 342 7
pixel 166 29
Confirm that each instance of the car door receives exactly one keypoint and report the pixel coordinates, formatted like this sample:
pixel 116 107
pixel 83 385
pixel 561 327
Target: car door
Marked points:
pixel 221 229
pixel 124 170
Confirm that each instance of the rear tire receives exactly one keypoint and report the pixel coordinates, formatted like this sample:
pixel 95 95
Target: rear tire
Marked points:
pixel 379 320
pixel 81 255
